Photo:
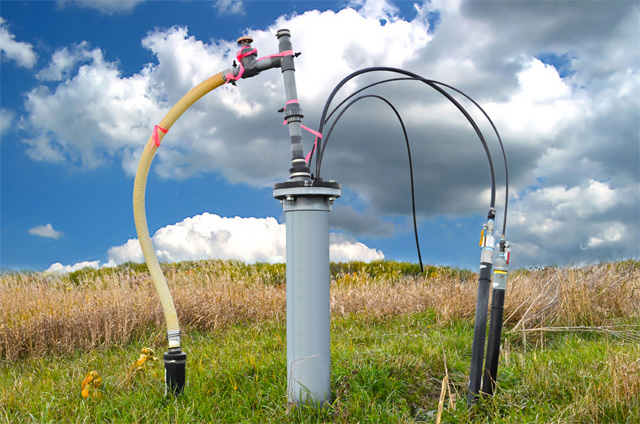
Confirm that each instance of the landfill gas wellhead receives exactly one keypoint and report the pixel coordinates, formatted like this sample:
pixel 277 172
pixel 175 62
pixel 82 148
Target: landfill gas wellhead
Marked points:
pixel 306 200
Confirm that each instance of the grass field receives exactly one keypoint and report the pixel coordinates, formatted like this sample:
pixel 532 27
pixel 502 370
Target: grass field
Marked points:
pixel 400 345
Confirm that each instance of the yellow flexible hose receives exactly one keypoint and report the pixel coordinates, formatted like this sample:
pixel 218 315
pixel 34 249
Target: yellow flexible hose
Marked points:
pixel 139 214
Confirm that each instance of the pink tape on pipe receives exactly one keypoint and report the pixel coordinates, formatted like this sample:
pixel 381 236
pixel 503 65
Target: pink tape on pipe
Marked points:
pixel 281 54
pixel 308 157
pixel 156 136
pixel 239 56
pixel 315 143
pixel 316 133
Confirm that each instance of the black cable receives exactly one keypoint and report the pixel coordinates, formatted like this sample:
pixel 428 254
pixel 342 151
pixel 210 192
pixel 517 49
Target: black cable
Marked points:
pixel 504 155
pixel 428 82
pixel 365 88
pixel 486 115
pixel 406 139
pixel 485 271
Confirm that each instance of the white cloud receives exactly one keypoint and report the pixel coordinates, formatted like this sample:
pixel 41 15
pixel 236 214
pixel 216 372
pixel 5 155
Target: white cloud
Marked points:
pixel 116 112
pixel 209 236
pixel 6 120
pixel 229 7
pixel 555 224
pixel 543 105
pixel 63 61
pixel 58 268
pixel 610 234
pixel 45 231
pixel 571 138
pixel 20 51
pixel 119 112
pixel 108 7
pixel 376 9
pixel 345 249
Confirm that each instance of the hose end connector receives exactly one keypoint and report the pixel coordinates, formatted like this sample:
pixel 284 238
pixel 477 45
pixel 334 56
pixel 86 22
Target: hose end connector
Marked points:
pixel 175 362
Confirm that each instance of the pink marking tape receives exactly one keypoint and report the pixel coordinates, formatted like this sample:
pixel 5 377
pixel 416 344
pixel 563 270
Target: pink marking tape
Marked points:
pixel 316 133
pixel 239 56
pixel 281 54
pixel 315 143
pixel 156 136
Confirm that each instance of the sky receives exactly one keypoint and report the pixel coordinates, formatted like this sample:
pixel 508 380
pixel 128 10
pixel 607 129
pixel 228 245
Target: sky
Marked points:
pixel 84 82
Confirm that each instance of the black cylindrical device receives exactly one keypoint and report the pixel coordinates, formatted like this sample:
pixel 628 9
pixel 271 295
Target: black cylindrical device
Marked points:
pixel 487 243
pixel 479 332
pixel 175 361
pixel 500 270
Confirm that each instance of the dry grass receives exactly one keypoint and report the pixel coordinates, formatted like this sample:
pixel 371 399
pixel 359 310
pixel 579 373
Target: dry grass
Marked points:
pixel 625 376
pixel 60 314
pixel 588 296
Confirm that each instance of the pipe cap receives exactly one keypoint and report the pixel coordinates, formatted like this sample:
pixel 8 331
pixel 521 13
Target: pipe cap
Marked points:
pixel 245 40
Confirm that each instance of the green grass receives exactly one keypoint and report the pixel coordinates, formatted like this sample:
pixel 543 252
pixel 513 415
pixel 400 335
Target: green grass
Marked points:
pixel 570 351
pixel 384 370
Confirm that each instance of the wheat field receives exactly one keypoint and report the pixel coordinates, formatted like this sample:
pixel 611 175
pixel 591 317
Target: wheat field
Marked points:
pixel 42 314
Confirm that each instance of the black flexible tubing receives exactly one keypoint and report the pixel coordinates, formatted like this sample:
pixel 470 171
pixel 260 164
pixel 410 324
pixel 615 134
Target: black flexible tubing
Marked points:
pixel 418 77
pixel 497 296
pixel 486 115
pixel 504 155
pixel 406 139
pixel 493 342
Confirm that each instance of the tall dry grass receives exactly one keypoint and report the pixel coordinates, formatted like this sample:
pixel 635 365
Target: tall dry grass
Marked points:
pixel 42 314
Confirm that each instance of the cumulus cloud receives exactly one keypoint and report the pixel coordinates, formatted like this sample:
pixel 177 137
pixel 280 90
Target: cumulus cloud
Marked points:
pixel 564 125
pixel 90 117
pixel 229 7
pixel 209 236
pixel 45 231
pixel 117 118
pixel 375 9
pixel 108 7
pixel 557 224
pixel 345 249
pixel 63 61
pixel 541 94
pixel 19 51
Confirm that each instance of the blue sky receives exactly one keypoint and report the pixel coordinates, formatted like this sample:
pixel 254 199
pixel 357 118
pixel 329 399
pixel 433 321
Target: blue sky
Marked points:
pixel 83 83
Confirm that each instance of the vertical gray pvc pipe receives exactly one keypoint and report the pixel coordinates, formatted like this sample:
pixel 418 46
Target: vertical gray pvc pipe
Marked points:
pixel 308 308
pixel 308 335
pixel 293 112
pixel 306 204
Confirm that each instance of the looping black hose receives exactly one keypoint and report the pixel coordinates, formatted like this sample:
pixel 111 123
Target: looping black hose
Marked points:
pixel 486 115
pixel 406 139
pixel 417 77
